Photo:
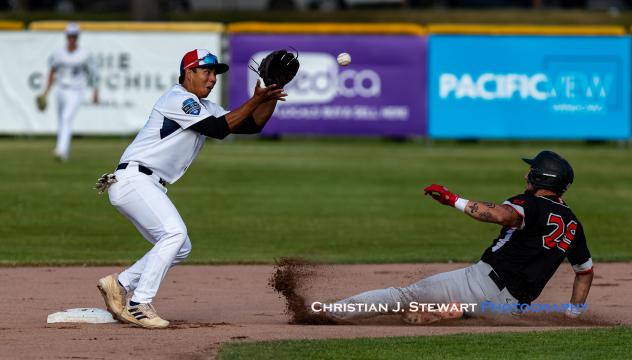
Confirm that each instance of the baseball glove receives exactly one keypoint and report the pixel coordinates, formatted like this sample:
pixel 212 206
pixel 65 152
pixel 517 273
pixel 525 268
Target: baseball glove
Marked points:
pixel 278 67
pixel 104 182
pixel 41 102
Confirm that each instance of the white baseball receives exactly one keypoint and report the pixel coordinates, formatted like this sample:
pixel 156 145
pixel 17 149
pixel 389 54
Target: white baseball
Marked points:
pixel 344 59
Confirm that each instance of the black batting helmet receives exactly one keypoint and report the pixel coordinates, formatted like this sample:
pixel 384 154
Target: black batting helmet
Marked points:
pixel 550 171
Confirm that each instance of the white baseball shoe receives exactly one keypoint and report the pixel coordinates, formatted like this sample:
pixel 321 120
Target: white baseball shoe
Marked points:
pixel 143 315
pixel 113 294
pixel 60 157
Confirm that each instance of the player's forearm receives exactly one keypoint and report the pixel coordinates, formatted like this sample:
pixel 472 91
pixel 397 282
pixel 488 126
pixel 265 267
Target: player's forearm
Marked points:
pixel 490 212
pixel 264 112
pixel 482 211
pixel 50 81
pixel 581 287
pixel 259 118
pixel 237 117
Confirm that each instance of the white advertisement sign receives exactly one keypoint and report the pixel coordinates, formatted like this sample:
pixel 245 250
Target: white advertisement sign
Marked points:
pixel 133 70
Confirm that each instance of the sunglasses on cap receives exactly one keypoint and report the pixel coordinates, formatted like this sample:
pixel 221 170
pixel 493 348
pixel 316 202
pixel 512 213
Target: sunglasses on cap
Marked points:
pixel 208 59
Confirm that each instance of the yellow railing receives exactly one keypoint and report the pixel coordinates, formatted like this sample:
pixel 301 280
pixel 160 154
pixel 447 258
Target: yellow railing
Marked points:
pixel 480 29
pixel 131 26
pixel 11 25
pixel 327 28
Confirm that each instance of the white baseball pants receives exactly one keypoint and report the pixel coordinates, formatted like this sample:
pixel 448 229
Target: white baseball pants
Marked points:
pixel 68 101
pixel 468 285
pixel 143 200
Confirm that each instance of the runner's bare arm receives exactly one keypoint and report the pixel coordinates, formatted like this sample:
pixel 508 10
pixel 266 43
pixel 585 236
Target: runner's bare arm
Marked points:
pixel 493 213
pixel 581 287
pixel 503 215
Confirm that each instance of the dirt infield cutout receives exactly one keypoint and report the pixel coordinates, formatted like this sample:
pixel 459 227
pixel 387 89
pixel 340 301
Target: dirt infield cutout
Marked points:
pixel 209 305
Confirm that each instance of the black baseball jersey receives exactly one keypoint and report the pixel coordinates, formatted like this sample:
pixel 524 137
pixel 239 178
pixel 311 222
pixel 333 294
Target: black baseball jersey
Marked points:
pixel 526 257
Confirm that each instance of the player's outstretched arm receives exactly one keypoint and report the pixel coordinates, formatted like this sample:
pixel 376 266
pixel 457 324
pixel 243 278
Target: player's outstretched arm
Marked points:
pixel 494 213
pixel 248 113
pixel 483 211
pixel 264 112
pixel 581 287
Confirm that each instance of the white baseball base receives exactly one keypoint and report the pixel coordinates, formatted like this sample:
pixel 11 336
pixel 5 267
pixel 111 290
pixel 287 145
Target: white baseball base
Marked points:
pixel 81 315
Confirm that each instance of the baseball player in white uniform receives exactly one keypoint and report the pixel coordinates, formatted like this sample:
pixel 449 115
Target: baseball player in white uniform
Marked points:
pixel 177 128
pixel 72 69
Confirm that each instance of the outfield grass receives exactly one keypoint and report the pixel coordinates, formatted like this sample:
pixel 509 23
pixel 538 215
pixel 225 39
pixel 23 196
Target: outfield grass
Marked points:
pixel 348 201
pixel 567 344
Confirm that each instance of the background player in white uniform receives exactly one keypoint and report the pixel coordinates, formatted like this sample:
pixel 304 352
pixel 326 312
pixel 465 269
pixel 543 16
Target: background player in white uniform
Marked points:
pixel 539 231
pixel 71 69
pixel 177 128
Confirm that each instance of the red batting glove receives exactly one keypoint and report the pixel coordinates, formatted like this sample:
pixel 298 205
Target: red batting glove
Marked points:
pixel 441 194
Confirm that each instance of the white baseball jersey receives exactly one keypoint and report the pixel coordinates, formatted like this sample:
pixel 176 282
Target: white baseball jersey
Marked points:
pixel 72 69
pixel 164 144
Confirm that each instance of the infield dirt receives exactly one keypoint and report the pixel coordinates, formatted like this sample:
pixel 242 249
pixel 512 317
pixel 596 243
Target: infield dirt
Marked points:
pixel 210 305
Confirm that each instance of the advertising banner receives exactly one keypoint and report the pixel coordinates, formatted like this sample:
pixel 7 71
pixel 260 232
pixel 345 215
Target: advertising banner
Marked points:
pixel 381 93
pixel 529 87
pixel 133 70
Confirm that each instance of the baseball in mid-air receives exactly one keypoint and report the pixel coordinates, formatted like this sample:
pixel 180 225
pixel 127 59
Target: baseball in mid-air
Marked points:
pixel 344 59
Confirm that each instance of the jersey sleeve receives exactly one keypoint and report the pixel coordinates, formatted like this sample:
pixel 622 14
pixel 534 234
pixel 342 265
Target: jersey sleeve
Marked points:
pixel 183 108
pixel 53 61
pixel 525 206
pixel 214 109
pixel 578 254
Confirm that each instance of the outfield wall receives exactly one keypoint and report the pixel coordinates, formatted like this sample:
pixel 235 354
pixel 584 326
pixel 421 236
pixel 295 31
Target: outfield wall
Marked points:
pixel 441 81
pixel 136 64
pixel 529 87
pixel 382 93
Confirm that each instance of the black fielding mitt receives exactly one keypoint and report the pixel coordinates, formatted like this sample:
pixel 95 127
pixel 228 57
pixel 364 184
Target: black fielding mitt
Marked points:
pixel 278 67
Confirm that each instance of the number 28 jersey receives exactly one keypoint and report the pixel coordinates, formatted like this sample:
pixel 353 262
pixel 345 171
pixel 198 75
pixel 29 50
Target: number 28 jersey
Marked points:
pixel 527 256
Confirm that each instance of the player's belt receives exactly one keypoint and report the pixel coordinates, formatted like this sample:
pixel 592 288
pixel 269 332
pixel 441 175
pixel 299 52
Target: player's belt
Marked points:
pixel 496 279
pixel 145 170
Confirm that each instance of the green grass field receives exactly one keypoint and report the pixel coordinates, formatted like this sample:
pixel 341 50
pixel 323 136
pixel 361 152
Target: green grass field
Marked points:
pixel 342 200
pixel 568 344
pixel 337 200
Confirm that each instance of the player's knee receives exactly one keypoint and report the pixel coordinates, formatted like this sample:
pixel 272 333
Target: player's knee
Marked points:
pixel 185 250
pixel 177 236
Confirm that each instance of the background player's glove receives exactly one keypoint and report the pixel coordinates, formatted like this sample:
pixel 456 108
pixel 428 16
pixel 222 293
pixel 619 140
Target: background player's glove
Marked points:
pixel 41 102
pixel 279 67
pixel 441 194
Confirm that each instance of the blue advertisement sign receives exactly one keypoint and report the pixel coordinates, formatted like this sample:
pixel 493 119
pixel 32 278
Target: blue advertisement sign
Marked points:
pixel 529 87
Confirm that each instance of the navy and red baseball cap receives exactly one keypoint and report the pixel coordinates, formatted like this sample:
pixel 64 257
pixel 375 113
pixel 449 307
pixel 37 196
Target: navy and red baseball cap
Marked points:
pixel 201 58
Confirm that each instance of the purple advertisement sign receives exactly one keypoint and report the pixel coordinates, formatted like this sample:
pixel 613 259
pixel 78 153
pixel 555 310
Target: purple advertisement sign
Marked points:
pixel 381 93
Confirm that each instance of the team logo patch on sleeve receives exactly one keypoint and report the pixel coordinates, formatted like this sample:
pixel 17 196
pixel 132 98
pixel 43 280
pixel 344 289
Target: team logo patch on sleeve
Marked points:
pixel 191 107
